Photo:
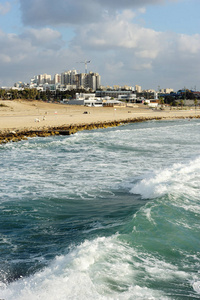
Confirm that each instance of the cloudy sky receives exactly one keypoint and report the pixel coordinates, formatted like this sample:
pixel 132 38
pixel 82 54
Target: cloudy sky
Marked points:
pixel 146 42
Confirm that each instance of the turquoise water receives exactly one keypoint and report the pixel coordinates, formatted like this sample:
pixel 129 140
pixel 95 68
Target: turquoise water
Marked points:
pixel 103 214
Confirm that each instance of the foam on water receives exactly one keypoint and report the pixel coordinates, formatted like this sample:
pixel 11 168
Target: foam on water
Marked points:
pixel 113 213
pixel 105 268
pixel 102 269
pixel 178 179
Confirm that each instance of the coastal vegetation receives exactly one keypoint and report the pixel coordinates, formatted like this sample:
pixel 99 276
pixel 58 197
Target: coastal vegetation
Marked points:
pixel 3 105
pixel 34 94
pixel 172 99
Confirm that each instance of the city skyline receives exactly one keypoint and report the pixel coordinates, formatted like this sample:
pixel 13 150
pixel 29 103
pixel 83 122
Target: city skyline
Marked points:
pixel 71 79
pixel 153 43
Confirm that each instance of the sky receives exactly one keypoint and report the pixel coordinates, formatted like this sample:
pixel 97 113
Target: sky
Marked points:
pixel 152 43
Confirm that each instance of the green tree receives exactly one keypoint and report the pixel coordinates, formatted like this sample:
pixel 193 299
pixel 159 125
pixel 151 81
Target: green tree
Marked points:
pixel 162 101
pixel 195 103
pixel 181 103
pixel 26 94
pixel 2 93
pixel 33 93
pixel 14 94
pixel 43 96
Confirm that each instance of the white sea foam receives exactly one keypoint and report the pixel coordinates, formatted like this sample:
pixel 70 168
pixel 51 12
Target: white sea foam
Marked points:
pixel 147 212
pixel 180 178
pixel 196 286
pixel 104 268
pixel 89 166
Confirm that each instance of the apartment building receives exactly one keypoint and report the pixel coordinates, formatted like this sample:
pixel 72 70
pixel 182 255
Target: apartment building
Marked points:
pixel 138 88
pixel 43 78
pixel 57 79
pixel 68 77
pixel 88 80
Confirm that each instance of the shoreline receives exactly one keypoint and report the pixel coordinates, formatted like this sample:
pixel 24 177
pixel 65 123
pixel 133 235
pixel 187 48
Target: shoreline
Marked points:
pixel 20 120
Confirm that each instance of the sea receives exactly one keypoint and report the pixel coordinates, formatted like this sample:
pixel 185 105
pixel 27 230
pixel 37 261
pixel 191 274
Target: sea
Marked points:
pixel 104 214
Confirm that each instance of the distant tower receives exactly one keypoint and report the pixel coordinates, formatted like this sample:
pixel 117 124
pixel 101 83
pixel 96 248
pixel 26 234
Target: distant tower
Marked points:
pixel 85 62
pixel 138 88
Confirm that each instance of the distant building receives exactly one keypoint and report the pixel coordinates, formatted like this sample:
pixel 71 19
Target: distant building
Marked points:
pixel 128 88
pixel 138 89
pixel 88 99
pixel 128 95
pixel 57 79
pixel 19 84
pixel 167 91
pixel 94 81
pixel 69 77
pixel 116 87
pixel 44 78
pixel 81 80
pixel 88 81
pixel 151 91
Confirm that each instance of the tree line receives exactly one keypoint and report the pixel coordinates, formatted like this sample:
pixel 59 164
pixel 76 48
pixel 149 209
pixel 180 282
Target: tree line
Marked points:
pixel 34 94
pixel 172 99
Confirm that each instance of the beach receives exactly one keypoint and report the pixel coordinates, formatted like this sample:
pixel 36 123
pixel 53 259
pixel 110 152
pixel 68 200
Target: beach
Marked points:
pixel 27 116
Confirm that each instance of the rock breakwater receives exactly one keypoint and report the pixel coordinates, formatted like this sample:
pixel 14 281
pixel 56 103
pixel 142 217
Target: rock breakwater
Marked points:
pixel 18 135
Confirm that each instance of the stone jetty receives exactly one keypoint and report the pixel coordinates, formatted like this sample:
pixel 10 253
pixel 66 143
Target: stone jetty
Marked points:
pixel 18 135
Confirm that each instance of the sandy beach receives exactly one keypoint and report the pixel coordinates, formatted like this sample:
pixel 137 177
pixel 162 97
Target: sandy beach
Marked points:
pixel 21 118
pixel 32 115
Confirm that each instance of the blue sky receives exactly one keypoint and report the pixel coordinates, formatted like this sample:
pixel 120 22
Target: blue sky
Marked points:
pixel 148 42
pixel 179 17
pixel 10 21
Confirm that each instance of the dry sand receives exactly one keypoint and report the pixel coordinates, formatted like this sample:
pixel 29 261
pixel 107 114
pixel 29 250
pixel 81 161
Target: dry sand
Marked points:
pixel 23 115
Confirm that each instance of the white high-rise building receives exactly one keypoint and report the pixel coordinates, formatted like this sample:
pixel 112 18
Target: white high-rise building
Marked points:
pixel 138 89
pixel 70 80
pixel 57 79
pixel 168 90
pixel 81 81
pixel 44 78
pixel 88 81
pixel 69 77
pixel 94 80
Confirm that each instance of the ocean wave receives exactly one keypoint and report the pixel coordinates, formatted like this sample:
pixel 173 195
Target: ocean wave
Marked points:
pixel 104 268
pixel 81 190
pixel 178 179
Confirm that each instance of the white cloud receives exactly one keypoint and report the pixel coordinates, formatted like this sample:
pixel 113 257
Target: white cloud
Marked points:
pixel 142 10
pixel 189 44
pixel 119 32
pixel 132 52
pixel 5 58
pixel 116 67
pixel 45 37
pixel 28 54
pixel 50 12
pixel 122 51
pixel 13 48
pixel 142 67
pixel 5 8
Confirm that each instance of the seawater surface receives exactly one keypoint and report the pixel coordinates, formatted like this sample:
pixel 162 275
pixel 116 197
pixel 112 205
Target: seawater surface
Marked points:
pixel 105 214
